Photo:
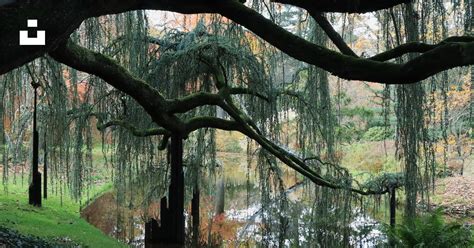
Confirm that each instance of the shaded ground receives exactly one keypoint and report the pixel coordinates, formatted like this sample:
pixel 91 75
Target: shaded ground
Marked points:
pixel 10 238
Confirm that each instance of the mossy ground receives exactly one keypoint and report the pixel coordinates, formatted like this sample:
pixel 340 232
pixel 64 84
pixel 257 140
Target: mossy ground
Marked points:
pixel 59 217
pixel 53 221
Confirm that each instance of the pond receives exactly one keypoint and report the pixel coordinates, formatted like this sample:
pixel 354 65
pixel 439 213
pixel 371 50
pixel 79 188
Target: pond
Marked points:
pixel 241 222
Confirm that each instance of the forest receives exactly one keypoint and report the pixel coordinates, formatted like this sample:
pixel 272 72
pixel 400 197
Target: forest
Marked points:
pixel 237 123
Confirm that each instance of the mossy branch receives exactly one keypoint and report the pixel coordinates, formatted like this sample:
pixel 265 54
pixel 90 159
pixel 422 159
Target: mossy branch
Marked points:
pixel 134 130
pixel 442 57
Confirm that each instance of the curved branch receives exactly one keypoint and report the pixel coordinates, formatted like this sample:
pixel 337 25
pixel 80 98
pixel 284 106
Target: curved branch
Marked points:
pixel 70 15
pixel 134 130
pixel 250 129
pixel 109 70
pixel 417 47
pixel 444 57
pixel 88 61
pixel 186 103
pixel 212 122
pixel 333 34
pixel 296 163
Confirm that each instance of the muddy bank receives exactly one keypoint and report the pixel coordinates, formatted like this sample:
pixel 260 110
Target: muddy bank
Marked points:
pixel 102 213
pixel 124 223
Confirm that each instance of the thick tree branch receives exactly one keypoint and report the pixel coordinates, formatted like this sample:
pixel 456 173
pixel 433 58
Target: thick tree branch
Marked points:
pixel 247 127
pixel 417 47
pixel 292 160
pixel 443 57
pixel 83 59
pixel 212 122
pixel 95 63
pixel 184 104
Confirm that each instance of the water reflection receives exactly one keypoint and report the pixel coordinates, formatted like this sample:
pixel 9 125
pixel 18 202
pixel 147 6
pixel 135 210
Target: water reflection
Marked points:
pixel 242 222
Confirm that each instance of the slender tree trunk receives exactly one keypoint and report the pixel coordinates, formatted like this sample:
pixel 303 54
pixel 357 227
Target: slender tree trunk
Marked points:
pixel 471 114
pixel 195 213
pixel 2 135
pixel 45 170
pixel 393 207
pixel 34 191
pixel 413 123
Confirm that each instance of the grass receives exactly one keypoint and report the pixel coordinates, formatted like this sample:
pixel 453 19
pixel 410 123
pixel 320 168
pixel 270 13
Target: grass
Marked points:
pixel 367 159
pixel 57 218
pixel 53 220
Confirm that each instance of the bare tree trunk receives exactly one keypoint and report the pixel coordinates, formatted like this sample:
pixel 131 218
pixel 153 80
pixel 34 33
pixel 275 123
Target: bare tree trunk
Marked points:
pixel 45 169
pixel 34 191
pixel 411 141
pixel 393 206
pixel 195 213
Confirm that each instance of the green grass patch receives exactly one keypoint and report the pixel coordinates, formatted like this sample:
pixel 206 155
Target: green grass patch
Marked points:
pixel 52 220
pixel 367 159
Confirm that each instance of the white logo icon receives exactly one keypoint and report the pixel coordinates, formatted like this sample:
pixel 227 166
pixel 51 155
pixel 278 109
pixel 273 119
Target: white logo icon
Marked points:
pixel 39 40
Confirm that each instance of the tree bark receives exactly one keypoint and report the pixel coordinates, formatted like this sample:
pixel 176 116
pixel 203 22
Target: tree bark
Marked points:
pixel 195 209
pixel 393 207
pixel 410 130
pixel 45 170
pixel 34 191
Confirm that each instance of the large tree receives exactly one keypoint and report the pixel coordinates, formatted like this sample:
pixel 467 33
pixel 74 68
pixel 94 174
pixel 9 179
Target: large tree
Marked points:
pixel 60 19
